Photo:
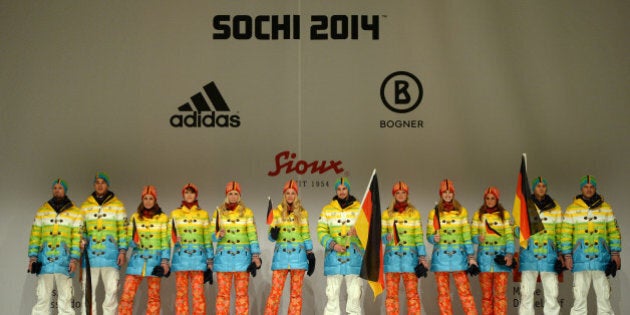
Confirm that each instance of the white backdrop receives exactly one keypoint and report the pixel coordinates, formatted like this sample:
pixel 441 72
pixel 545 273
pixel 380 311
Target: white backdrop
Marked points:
pixel 90 86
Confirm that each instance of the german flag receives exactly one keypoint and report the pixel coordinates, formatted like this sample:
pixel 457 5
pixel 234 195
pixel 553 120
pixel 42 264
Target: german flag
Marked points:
pixel 217 228
pixel 396 237
pixel 368 228
pixel 173 232
pixel 134 233
pixel 490 230
pixel 436 219
pixel 269 212
pixel 525 214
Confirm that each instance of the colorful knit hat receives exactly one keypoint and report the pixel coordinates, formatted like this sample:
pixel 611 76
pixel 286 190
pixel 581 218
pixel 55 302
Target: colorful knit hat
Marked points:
pixel 491 191
pixel 588 179
pixel 291 184
pixel 233 185
pixel 342 181
pixel 102 176
pixel 400 185
pixel 537 180
pixel 62 183
pixel 190 186
pixel 446 185
pixel 149 190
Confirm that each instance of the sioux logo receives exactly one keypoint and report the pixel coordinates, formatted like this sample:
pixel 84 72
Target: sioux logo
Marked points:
pixel 202 115
pixel 286 159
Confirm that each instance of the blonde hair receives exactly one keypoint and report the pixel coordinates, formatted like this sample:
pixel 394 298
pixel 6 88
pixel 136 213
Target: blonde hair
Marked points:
pixel 390 209
pixel 240 206
pixel 297 208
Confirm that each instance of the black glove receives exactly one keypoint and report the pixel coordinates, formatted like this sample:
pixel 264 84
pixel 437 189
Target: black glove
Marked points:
pixel 252 268
pixel 558 267
pixel 473 270
pixel 158 271
pixel 36 267
pixel 500 260
pixel 611 269
pixel 421 271
pixel 311 263
pixel 274 232
pixel 207 276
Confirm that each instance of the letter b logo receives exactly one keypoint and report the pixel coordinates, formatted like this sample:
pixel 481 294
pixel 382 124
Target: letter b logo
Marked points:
pixel 401 92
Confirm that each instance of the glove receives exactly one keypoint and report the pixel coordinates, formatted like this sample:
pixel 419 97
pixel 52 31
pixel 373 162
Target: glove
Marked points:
pixel 473 270
pixel 158 271
pixel 421 271
pixel 207 276
pixel 252 268
pixel 36 267
pixel 558 267
pixel 311 263
pixel 611 269
pixel 274 232
pixel 500 260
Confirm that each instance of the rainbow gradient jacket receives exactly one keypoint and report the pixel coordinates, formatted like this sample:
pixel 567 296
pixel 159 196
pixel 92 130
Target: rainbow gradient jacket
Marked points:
pixel 294 240
pixel 402 256
pixel 235 249
pixel 543 247
pixel 451 253
pixel 193 241
pixel 498 239
pixel 55 237
pixel 105 230
pixel 590 235
pixel 333 225
pixel 149 243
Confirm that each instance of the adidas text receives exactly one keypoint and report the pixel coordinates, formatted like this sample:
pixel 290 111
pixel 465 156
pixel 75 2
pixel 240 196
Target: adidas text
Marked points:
pixel 210 120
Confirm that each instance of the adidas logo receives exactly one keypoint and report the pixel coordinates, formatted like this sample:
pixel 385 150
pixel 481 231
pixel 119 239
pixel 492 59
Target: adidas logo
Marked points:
pixel 198 118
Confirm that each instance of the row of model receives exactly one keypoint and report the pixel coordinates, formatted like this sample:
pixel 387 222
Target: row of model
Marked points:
pixel 585 239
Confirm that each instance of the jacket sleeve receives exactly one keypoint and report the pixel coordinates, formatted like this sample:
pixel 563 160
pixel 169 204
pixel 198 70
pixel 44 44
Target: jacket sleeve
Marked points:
pixel 305 231
pixel 566 237
pixel 557 220
pixel 35 240
pixel 75 238
pixel 476 228
pixel 207 236
pixel 614 237
pixel 252 235
pixel 384 227
pixel 508 234
pixel 165 243
pixel 323 230
pixel 121 227
pixel 431 229
pixel 470 250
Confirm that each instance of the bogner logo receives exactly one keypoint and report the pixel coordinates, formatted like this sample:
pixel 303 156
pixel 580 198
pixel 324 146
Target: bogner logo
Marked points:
pixel 202 115
pixel 286 160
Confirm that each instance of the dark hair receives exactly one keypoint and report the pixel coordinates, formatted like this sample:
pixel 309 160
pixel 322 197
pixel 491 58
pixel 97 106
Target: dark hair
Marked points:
pixel 156 209
pixel 484 209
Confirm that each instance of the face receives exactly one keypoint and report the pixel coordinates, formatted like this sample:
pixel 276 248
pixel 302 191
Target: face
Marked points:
pixel 491 201
pixel 447 196
pixel 400 196
pixel 540 190
pixel 588 190
pixel 148 201
pixel 290 195
pixel 190 196
pixel 342 192
pixel 233 196
pixel 100 186
pixel 58 191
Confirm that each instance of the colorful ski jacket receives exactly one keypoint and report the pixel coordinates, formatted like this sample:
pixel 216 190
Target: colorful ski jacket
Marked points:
pixel 543 247
pixel 402 255
pixel 451 253
pixel 498 239
pixel 590 235
pixel 149 242
pixel 333 225
pixel 190 231
pixel 105 230
pixel 235 249
pixel 55 237
pixel 294 240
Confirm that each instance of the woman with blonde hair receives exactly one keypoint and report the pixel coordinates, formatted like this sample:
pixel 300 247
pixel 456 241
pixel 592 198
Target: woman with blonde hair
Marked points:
pixel 237 251
pixel 448 230
pixel 405 254
pixel 293 253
